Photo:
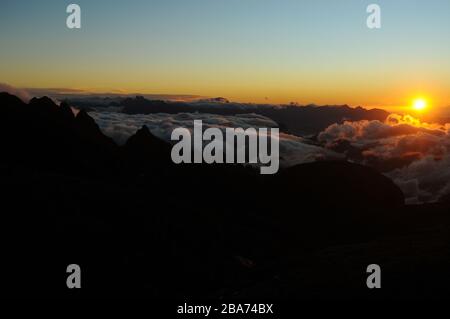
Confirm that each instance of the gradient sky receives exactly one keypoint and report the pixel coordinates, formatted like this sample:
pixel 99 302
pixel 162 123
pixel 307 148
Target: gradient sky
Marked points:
pixel 275 51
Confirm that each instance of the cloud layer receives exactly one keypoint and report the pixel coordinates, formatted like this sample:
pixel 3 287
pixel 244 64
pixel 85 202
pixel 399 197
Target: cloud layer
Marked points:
pixel 293 149
pixel 415 155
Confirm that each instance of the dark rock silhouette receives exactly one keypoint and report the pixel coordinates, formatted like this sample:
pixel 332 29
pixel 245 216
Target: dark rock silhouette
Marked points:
pixel 341 184
pixel 10 103
pixel 145 142
pixel 144 153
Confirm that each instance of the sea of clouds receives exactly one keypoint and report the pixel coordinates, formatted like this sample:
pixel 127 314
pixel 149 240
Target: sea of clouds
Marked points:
pixel 415 155
pixel 293 149
pixel 418 153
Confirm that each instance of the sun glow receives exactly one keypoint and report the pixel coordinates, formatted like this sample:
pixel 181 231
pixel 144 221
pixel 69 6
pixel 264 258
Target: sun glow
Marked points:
pixel 419 104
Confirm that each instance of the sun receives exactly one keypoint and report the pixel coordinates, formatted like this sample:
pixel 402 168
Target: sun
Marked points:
pixel 419 104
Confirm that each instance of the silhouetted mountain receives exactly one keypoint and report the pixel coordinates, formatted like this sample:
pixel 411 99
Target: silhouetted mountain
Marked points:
pixel 89 130
pixel 140 105
pixel 51 137
pixel 66 112
pixel 144 152
pixel 10 103
pixel 43 105
pixel 215 100
pixel 342 184
pixel 313 119
pixel 298 120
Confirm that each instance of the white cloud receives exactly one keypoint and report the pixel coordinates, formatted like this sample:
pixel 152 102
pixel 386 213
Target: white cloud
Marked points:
pixel 425 176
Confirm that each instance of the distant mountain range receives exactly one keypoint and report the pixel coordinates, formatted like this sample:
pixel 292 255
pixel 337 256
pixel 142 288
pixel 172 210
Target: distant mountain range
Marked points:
pixel 294 119
pixel 298 120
